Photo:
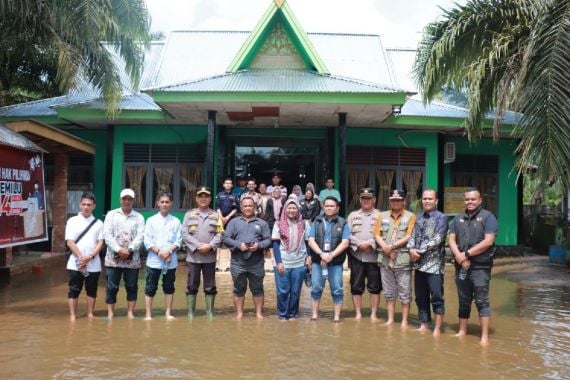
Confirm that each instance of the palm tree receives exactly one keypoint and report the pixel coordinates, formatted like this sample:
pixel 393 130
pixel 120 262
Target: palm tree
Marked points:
pixel 507 54
pixel 48 45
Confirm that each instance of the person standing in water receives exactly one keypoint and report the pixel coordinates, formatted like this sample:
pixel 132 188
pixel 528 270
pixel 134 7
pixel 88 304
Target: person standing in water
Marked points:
pixel 162 239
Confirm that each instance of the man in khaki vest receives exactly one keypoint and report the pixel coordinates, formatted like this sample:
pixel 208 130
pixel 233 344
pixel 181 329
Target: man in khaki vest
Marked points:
pixel 392 233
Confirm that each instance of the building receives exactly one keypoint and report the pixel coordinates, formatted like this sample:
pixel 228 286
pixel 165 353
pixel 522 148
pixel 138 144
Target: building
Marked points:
pixel 277 99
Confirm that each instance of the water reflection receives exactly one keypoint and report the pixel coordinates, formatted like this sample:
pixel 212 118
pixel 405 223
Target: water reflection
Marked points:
pixel 530 338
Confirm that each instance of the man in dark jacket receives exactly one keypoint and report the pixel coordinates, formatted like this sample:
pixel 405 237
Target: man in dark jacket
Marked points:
pixel 328 240
pixel 472 242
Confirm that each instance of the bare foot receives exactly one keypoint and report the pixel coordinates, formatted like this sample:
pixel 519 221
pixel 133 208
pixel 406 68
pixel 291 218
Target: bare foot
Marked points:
pixel 90 316
pixel 388 323
pixel 148 317
pixel 169 317
pixel 110 316
pixel 436 332
pixel 130 316
pixel 337 320
pixel 373 318
pixel 358 316
pixel 423 328
pixel 72 318
pixel 484 341
pixel 239 316
pixel 404 325
pixel 460 334
pixel 259 316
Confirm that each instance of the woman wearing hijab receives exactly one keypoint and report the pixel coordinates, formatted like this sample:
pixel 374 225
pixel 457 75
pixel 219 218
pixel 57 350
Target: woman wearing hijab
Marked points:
pixel 290 254
pixel 298 192
pixel 273 207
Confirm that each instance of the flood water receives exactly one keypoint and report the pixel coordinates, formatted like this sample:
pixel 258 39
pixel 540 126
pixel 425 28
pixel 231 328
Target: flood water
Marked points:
pixel 530 336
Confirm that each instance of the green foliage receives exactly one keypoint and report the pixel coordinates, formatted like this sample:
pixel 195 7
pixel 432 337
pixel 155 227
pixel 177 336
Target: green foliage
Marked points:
pixel 507 54
pixel 48 45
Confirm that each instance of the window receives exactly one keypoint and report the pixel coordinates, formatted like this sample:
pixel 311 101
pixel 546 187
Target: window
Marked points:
pixel 152 168
pixel 385 169
pixel 480 171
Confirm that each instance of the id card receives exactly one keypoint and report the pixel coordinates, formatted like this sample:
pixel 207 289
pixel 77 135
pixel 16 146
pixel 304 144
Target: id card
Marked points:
pixel 327 246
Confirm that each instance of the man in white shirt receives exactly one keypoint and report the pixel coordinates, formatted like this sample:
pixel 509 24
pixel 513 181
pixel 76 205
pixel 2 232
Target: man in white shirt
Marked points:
pixel 84 263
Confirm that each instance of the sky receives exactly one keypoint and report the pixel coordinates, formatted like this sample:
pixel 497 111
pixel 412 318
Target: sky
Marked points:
pixel 399 22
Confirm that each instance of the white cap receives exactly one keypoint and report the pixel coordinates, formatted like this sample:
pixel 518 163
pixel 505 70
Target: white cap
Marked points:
pixel 127 193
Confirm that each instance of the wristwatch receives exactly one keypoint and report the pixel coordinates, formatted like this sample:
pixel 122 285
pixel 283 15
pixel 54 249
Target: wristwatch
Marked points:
pixel 466 253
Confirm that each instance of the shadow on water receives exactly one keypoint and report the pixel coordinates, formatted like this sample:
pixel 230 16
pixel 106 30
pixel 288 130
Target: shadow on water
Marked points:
pixel 530 335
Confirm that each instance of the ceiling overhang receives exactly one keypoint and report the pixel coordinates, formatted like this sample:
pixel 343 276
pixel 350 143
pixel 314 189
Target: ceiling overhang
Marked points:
pixel 51 139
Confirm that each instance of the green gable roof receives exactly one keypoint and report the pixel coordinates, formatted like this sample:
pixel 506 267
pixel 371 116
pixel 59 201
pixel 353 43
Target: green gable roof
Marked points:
pixel 278 17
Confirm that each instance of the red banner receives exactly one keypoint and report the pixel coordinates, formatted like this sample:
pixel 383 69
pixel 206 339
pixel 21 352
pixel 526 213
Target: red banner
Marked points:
pixel 22 197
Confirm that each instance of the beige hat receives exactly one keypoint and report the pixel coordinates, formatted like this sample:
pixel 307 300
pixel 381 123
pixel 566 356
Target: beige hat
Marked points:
pixel 127 193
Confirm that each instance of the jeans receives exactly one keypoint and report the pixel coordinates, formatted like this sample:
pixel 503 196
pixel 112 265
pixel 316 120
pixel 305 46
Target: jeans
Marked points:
pixel 335 282
pixel 130 276
pixel 475 286
pixel 152 277
pixel 288 287
pixel 428 288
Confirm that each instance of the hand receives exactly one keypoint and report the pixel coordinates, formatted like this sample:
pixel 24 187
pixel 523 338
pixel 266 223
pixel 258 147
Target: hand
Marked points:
pixel 243 247
pixel 225 219
pixel 164 253
pixel 280 269
pixel 327 257
pixel 386 249
pixel 123 253
pixel 308 262
pixel 414 255
pixel 83 260
pixel 364 246
pixel 466 264
pixel 459 258
pixel 204 248
pixel 393 255
pixel 254 247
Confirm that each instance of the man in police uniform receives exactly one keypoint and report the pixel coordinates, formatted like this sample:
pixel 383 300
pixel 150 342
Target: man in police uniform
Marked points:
pixel 363 257
pixel 202 234
pixel 472 242
pixel 227 201
pixel 392 233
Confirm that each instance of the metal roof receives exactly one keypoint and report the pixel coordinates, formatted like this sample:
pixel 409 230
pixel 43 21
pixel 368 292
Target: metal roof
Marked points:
pixel 415 107
pixel 15 140
pixel 401 61
pixel 135 102
pixel 279 80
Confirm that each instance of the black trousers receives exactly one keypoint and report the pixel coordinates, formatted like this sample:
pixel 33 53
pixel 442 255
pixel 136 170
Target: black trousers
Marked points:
pixel 208 271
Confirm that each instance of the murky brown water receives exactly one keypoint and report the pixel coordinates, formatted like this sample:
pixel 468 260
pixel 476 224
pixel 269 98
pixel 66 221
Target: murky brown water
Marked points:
pixel 530 336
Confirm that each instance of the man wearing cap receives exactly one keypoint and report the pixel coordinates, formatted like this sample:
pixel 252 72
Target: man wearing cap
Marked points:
pixel 247 236
pixel 427 252
pixel 276 182
pixel 202 234
pixel 227 202
pixel 123 231
pixel 363 258
pixel 472 242
pixel 392 232
pixel 241 187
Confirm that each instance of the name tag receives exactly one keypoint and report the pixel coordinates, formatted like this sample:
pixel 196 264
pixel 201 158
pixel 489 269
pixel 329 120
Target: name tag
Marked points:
pixel 327 246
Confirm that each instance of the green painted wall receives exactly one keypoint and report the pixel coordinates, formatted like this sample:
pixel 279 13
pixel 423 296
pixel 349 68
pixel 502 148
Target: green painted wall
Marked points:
pixel 507 207
pixel 398 138
pixel 155 134
pixel 100 177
